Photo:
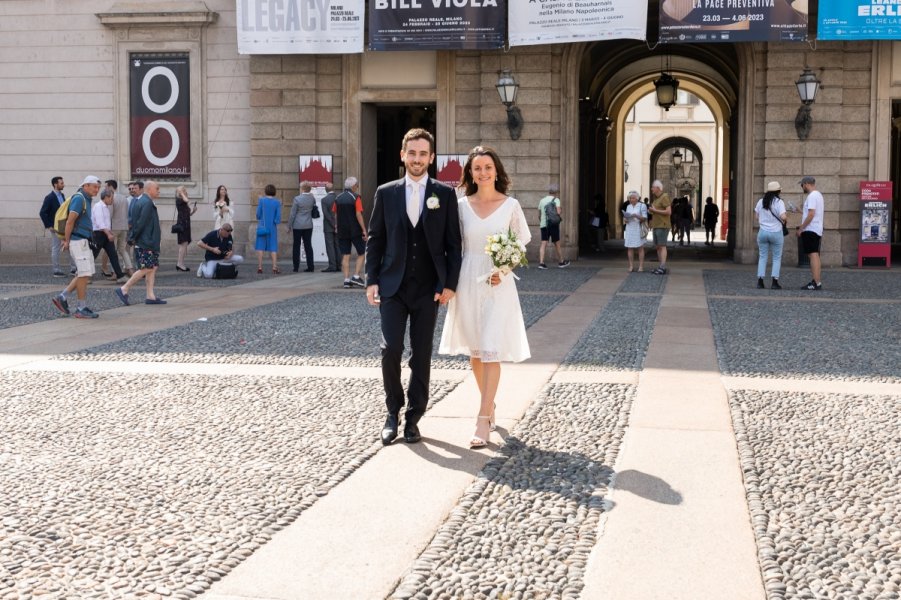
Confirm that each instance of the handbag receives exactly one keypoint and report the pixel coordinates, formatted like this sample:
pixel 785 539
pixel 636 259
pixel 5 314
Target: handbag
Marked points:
pixel 176 226
pixel 643 231
pixel 225 271
pixel 784 228
pixel 262 230
pixel 315 213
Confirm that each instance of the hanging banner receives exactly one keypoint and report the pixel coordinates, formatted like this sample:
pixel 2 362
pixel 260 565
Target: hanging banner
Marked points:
pixel 859 20
pixel 733 21
pixel 437 24
pixel 300 26
pixel 559 21
pixel 160 115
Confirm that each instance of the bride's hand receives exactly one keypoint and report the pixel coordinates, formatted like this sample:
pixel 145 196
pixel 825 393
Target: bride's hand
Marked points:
pixel 495 279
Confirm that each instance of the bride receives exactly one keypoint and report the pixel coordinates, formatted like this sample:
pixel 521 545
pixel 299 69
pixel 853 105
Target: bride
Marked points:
pixel 484 320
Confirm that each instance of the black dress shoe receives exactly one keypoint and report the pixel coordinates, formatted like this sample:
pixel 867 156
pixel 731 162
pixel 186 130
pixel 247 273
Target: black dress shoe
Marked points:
pixel 389 431
pixel 411 434
pixel 310 270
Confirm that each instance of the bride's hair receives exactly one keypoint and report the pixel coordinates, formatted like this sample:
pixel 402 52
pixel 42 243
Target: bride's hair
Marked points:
pixel 501 184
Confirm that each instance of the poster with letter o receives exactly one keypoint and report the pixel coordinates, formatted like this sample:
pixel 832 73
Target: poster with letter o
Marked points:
pixel 160 115
pixel 859 20
pixel 733 21
pixel 437 24
pixel 558 21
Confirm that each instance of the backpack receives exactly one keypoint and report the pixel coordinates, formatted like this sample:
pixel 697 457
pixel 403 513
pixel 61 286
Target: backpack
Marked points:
pixel 550 213
pixel 62 216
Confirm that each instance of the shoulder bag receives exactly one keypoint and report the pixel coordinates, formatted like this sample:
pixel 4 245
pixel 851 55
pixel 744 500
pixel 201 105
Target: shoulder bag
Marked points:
pixel 176 226
pixel 315 213
pixel 784 228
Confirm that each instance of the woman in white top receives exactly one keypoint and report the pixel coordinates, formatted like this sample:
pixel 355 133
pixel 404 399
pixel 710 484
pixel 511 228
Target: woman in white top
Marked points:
pixel 635 214
pixel 485 321
pixel 222 211
pixel 770 212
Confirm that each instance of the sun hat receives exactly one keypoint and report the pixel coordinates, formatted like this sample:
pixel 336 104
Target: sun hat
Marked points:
pixel 773 186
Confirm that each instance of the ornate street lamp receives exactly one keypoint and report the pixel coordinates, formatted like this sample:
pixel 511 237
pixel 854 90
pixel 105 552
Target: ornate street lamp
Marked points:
pixel 506 89
pixel 808 85
pixel 677 158
pixel 666 87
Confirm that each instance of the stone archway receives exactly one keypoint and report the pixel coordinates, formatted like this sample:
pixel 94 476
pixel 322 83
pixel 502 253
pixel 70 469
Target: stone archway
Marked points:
pixel 602 79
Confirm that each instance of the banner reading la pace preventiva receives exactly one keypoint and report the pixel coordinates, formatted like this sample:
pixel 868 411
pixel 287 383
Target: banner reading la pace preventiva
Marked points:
pixel 859 20
pixel 437 24
pixel 733 20
pixel 300 26
pixel 558 21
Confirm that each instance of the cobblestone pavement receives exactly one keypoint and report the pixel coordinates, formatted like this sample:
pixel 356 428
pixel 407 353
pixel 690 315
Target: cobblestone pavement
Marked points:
pixel 326 329
pixel 823 480
pixel 837 284
pixel 116 485
pixel 525 527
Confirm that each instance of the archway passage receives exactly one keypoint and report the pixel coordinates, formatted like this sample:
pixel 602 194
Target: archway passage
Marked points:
pixel 613 77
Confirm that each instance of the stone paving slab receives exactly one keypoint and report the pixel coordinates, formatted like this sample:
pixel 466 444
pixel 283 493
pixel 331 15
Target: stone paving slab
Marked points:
pixel 166 276
pixel 837 284
pixel 23 310
pixel 823 480
pixel 122 485
pixel 525 527
pixel 553 279
pixel 329 329
pixel 646 283
pixel 819 340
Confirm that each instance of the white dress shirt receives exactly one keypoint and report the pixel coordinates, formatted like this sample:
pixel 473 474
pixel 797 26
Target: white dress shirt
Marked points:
pixel 100 216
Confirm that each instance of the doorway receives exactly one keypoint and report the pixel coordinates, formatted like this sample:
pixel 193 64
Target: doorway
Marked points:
pixel 384 126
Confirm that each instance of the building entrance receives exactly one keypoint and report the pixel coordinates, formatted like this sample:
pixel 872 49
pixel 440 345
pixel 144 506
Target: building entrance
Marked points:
pixel 384 126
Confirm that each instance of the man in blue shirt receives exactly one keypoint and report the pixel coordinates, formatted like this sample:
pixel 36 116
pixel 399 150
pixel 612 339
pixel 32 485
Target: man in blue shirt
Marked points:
pixel 79 231
pixel 218 246
pixel 52 202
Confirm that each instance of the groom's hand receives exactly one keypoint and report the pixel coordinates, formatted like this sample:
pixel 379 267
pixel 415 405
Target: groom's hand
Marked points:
pixel 372 292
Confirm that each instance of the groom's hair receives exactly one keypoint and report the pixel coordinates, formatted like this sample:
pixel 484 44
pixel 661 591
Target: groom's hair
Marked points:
pixel 419 134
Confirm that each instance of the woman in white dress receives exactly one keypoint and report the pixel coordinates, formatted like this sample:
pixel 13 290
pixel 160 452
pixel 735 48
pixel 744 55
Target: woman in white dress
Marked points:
pixel 635 214
pixel 484 320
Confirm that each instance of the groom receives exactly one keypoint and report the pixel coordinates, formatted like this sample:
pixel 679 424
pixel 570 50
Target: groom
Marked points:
pixel 413 258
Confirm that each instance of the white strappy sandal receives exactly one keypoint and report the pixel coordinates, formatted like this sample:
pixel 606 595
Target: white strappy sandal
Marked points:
pixel 477 442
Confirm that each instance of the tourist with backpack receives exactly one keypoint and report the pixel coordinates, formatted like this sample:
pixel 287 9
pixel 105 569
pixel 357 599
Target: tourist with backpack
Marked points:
pixel 73 221
pixel 549 222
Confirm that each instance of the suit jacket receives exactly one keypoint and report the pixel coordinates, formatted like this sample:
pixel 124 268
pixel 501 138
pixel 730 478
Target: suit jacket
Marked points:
pixel 386 247
pixel 48 209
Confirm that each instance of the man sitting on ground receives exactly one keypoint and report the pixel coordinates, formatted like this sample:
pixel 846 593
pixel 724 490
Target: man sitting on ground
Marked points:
pixel 218 246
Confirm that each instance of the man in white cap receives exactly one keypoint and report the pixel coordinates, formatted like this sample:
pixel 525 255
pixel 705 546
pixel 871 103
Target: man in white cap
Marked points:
pixel 79 230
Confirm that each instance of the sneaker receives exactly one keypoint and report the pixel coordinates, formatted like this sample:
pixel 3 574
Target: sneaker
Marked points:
pixel 358 281
pixel 563 264
pixel 760 285
pixel 814 286
pixel 775 285
pixel 59 274
pixel 200 270
pixel 122 296
pixel 660 271
pixel 85 313
pixel 61 303
pixel 542 266
pixel 347 284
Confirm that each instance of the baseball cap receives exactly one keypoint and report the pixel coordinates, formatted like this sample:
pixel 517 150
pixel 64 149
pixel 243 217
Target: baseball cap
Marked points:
pixel 773 186
pixel 91 179
pixel 807 179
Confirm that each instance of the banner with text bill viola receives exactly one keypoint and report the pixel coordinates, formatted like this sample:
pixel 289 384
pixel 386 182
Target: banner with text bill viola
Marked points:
pixel 557 21
pixel 159 109
pixel 437 24
pixel 300 26
pixel 733 20
pixel 859 20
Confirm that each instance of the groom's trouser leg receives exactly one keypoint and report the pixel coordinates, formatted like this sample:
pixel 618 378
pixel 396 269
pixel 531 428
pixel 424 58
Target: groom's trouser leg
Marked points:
pixel 423 313
pixel 394 313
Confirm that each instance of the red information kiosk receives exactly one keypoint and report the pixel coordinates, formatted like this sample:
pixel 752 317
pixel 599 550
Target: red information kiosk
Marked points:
pixel 874 246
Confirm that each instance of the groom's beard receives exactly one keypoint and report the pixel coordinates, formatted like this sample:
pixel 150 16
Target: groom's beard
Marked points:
pixel 417 169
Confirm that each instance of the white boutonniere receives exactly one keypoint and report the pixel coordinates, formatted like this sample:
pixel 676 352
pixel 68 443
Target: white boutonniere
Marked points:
pixel 432 203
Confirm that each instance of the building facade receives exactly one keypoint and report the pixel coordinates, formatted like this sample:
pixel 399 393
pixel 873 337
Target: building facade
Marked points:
pixel 64 110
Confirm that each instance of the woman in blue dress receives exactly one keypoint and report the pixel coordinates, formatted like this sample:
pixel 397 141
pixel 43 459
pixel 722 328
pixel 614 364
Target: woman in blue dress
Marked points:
pixel 269 215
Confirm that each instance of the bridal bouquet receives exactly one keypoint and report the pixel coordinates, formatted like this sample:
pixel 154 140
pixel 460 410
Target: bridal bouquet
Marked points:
pixel 507 252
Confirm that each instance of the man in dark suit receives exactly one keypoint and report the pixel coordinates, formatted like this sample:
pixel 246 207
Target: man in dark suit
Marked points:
pixel 413 259
pixel 52 202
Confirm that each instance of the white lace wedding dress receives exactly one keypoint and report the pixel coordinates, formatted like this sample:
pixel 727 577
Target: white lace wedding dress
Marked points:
pixel 485 321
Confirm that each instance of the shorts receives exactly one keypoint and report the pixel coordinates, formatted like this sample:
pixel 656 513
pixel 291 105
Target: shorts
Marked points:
pixel 660 235
pixel 344 245
pixel 552 231
pixel 810 242
pixel 83 256
pixel 146 259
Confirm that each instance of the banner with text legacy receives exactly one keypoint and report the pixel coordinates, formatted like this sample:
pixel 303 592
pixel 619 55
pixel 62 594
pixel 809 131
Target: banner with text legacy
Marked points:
pixel 437 24
pixel 300 26
pixel 558 21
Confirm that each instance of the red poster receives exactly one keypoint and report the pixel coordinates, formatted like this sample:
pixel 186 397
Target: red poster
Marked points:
pixel 317 169
pixel 160 115
pixel 450 168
